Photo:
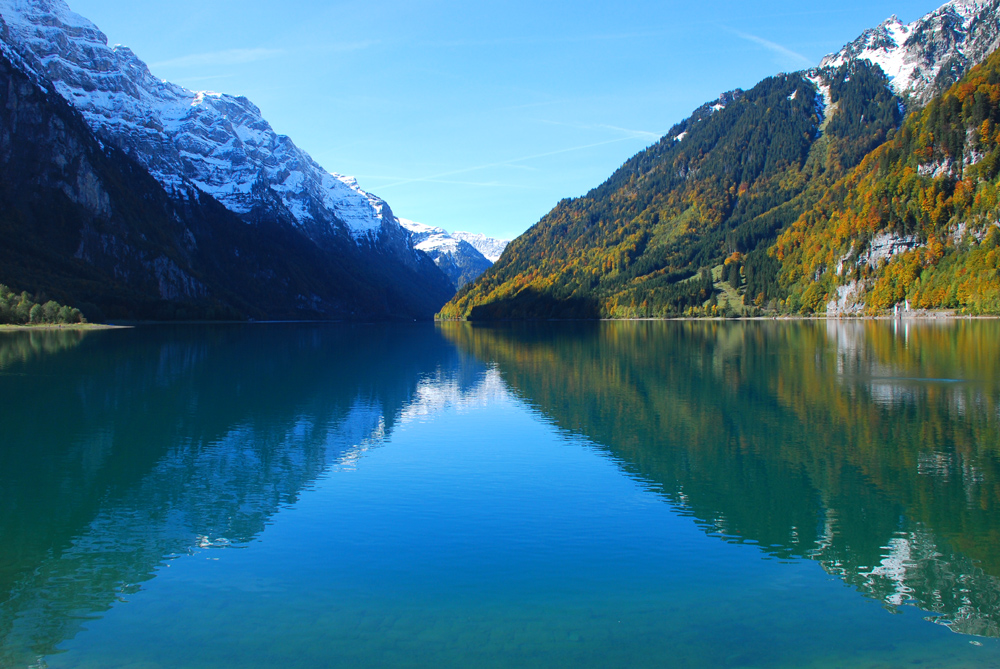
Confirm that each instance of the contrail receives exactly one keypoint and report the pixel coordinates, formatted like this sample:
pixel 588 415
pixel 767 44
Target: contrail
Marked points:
pixel 508 163
pixel 772 46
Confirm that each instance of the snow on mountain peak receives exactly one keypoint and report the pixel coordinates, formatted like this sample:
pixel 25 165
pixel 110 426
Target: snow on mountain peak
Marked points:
pixel 454 253
pixel 490 247
pixel 41 11
pixel 925 56
pixel 967 9
pixel 420 229
pixel 428 237
pixel 219 143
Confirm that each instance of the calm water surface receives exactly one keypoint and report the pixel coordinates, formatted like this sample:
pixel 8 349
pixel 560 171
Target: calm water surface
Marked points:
pixel 616 494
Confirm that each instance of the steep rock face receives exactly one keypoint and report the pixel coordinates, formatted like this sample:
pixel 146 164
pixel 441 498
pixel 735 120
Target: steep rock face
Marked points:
pixel 218 143
pixel 295 241
pixel 63 213
pixel 84 223
pixel 927 56
pixel 458 259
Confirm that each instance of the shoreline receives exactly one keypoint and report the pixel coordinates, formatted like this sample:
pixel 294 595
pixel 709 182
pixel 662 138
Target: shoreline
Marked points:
pixel 63 326
pixel 923 317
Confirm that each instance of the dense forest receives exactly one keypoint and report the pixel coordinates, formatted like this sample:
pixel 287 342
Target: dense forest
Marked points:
pixel 768 201
pixel 935 187
pixel 725 181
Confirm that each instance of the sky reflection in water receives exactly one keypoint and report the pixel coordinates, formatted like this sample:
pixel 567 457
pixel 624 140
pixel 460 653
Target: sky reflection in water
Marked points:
pixel 558 494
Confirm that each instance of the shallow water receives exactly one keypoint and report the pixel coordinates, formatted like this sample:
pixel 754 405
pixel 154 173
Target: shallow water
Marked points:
pixel 585 494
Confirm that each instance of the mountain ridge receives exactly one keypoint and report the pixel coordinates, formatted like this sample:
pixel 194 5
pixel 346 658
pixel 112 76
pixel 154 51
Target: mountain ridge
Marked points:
pixel 246 224
pixel 87 225
pixel 926 56
pixel 216 142
pixel 460 255
pixel 687 226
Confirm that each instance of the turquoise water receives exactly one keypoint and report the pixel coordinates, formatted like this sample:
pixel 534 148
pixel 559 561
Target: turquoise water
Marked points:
pixel 617 494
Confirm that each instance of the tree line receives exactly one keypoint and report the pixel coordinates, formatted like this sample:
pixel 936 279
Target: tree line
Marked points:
pixel 23 309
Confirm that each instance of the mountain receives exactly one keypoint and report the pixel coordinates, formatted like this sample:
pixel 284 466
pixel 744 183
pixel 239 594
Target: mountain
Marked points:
pixel 201 147
pixel 927 56
pixel 689 225
pixel 85 224
pixel 916 223
pixel 462 256
pixel 726 179
pixel 490 247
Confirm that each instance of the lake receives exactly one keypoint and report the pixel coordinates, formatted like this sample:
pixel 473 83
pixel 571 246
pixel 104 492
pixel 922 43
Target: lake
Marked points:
pixel 725 494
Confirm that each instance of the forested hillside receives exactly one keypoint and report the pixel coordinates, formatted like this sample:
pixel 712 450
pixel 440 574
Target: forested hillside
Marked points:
pixel 916 221
pixel 722 184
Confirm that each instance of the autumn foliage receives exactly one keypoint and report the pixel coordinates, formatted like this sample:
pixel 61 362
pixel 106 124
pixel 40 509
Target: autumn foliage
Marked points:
pixel 936 186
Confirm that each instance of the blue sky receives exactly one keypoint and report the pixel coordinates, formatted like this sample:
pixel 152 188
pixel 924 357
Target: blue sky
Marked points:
pixel 480 116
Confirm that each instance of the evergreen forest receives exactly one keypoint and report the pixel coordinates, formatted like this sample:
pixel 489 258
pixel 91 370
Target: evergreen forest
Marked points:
pixel 810 190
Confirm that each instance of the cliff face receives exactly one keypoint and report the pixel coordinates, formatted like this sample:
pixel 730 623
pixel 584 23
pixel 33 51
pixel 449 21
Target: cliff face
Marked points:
pixel 147 200
pixel 86 224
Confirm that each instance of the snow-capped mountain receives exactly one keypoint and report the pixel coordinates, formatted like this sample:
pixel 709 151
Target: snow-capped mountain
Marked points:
pixel 180 204
pixel 462 256
pixel 924 57
pixel 217 143
pixel 491 247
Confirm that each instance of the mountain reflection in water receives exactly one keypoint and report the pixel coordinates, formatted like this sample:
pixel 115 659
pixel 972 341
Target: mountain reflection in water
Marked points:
pixel 869 447
pixel 124 449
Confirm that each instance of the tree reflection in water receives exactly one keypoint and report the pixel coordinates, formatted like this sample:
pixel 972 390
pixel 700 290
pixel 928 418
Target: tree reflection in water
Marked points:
pixel 870 447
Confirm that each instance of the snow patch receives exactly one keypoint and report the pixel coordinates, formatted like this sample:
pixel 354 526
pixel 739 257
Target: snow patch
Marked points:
pixel 961 32
pixel 215 142
pixel 491 247
pixel 430 238
pixel 824 99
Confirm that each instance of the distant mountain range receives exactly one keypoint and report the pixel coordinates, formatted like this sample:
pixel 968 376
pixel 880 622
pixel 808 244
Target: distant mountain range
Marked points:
pixel 233 219
pixel 462 256
pixel 863 184
pixel 807 193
